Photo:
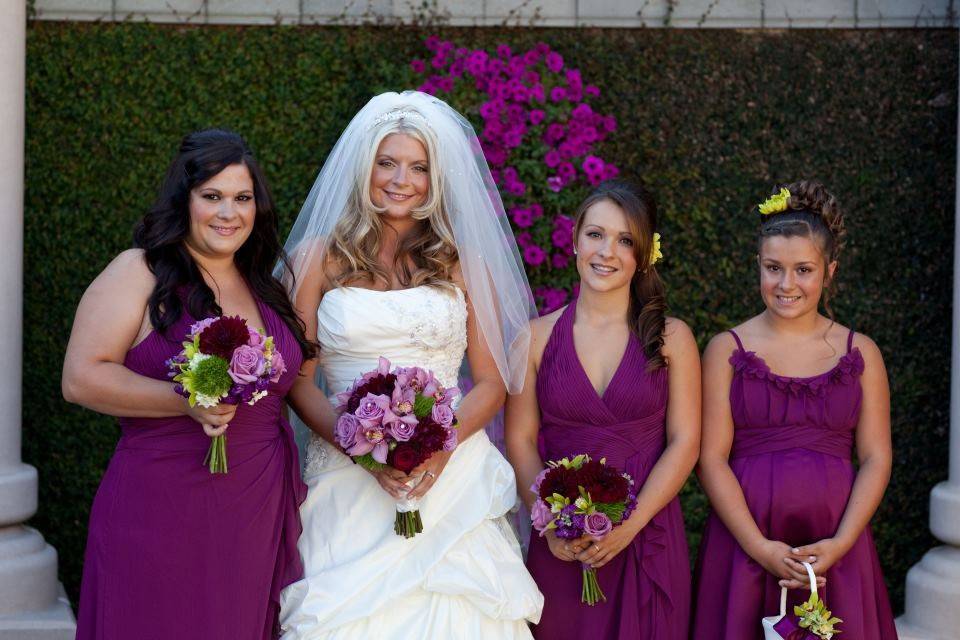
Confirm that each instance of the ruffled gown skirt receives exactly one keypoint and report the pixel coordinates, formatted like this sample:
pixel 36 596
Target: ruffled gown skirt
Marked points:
pixel 462 577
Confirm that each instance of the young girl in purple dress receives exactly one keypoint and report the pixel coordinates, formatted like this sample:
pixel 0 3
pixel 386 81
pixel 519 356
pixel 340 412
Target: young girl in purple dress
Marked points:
pixel 788 396
pixel 611 376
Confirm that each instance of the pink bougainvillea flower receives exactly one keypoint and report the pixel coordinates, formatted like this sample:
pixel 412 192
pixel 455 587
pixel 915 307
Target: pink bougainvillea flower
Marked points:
pixel 534 255
pixel 538 131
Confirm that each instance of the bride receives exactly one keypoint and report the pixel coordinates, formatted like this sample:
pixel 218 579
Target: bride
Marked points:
pixel 402 250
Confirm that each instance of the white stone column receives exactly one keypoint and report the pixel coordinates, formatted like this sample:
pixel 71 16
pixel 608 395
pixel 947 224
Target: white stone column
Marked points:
pixel 31 605
pixel 933 584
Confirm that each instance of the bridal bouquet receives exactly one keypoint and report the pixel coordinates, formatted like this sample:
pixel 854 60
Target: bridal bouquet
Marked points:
pixel 223 360
pixel 397 418
pixel 579 497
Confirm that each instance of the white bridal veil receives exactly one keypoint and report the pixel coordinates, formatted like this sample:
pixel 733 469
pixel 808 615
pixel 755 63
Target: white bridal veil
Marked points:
pixel 496 283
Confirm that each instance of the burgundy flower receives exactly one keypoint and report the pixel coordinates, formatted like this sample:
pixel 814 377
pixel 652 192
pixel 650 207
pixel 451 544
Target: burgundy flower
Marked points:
pixel 404 457
pixel 559 480
pixel 378 385
pixel 223 336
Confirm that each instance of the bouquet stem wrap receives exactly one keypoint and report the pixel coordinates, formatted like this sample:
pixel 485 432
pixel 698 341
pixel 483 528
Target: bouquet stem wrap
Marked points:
pixel 408 522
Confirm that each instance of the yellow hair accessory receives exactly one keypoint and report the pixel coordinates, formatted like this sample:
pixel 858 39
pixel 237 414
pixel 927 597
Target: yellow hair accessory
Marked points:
pixel 775 203
pixel 655 254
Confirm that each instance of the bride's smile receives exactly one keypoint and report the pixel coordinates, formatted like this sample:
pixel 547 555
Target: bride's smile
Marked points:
pixel 400 179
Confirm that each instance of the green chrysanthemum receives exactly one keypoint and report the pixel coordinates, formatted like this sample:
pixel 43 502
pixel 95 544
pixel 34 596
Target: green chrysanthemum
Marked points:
pixel 775 203
pixel 211 376
pixel 206 379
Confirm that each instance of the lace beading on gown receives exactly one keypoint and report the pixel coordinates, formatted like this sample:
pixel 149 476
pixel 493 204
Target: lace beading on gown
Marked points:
pixel 423 326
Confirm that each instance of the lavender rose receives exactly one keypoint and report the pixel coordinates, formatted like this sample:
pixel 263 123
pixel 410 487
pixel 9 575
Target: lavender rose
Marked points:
pixel 256 338
pixel 247 364
pixel 541 516
pixel 403 429
pixel 371 408
pixel 442 414
pixel 597 524
pixel 348 425
pixel 450 440
pixel 277 367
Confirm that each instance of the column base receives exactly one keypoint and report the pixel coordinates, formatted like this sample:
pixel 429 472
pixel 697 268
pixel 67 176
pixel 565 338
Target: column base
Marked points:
pixel 933 591
pixel 28 571
pixel 945 512
pixel 54 623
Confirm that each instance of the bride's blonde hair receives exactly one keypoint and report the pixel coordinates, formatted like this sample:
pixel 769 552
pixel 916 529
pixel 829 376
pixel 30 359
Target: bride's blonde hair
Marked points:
pixel 430 247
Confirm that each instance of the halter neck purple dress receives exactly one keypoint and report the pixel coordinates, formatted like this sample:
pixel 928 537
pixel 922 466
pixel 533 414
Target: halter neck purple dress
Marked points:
pixel 647 585
pixel 175 552
pixel 793 439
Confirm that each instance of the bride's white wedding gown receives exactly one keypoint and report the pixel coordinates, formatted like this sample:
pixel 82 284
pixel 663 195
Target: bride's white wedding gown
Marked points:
pixel 463 577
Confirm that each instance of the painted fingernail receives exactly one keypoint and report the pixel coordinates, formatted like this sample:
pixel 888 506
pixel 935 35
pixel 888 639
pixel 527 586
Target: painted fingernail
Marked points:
pixel 796 550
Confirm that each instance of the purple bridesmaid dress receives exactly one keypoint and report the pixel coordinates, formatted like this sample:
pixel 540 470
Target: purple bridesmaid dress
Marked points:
pixel 175 552
pixel 791 452
pixel 647 585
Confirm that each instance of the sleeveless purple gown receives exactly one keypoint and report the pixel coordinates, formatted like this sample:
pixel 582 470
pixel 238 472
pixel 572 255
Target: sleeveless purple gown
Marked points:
pixel 791 452
pixel 647 585
pixel 175 552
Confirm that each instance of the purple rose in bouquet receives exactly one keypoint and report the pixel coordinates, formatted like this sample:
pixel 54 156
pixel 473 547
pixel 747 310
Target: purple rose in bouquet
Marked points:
pixel 247 364
pixel 371 409
pixel 277 367
pixel 347 428
pixel 540 514
pixel 597 524
pixel 443 415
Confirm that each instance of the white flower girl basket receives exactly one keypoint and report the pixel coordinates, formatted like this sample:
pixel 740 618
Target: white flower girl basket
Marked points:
pixel 769 633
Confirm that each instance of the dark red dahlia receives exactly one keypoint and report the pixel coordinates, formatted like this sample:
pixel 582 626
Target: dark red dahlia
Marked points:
pixel 556 481
pixel 429 436
pixel 590 472
pixel 610 487
pixel 379 385
pixel 223 336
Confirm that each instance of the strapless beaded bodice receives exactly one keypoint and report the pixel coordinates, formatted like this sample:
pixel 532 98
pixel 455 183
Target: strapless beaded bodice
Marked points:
pixel 423 326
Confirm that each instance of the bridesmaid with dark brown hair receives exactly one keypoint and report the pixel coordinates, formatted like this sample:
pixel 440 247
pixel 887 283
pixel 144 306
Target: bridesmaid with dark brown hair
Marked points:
pixel 172 550
pixel 611 376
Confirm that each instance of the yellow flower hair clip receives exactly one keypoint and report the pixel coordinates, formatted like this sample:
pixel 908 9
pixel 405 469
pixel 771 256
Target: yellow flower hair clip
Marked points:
pixel 775 203
pixel 655 253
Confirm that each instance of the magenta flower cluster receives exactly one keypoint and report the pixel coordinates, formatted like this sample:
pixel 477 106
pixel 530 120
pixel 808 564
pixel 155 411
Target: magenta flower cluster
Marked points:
pixel 538 133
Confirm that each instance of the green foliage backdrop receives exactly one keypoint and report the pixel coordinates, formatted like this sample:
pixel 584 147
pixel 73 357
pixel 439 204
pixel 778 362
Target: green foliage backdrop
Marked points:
pixel 709 119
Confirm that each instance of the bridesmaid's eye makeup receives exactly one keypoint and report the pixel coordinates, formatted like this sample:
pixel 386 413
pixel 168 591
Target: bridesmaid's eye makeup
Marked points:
pixel 214 196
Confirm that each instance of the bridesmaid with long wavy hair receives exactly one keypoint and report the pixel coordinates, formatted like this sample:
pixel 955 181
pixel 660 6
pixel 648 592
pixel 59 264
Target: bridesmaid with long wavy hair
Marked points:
pixel 789 395
pixel 611 376
pixel 172 550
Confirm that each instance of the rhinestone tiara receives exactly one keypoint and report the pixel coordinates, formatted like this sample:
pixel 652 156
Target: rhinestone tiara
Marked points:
pixel 396 114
